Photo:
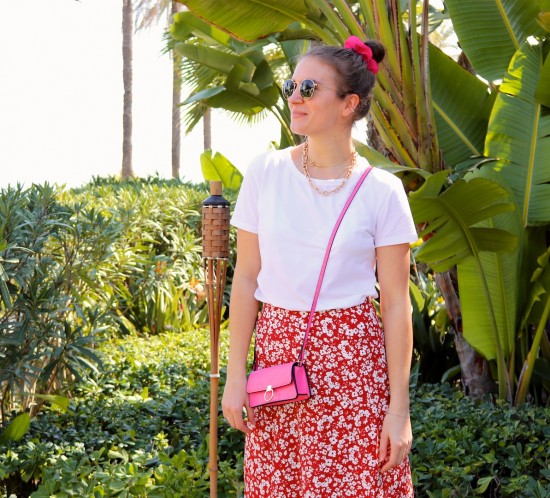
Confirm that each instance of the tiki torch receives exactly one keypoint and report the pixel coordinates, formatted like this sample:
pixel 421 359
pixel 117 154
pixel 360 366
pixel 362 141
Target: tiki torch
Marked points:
pixel 215 253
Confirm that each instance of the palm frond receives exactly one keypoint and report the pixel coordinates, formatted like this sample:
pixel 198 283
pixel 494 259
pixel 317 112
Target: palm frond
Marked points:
pixel 247 119
pixel 193 115
pixel 150 12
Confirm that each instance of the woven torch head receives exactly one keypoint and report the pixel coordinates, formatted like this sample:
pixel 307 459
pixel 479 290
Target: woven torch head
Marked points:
pixel 215 223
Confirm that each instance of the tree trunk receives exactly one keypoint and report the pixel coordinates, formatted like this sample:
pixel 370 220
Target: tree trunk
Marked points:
pixel 207 128
pixel 373 137
pixel 127 32
pixel 476 377
pixel 176 101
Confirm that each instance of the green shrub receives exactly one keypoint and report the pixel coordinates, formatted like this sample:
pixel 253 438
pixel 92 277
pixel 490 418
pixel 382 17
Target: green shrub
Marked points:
pixel 140 429
pixel 158 254
pixel 467 448
pixel 80 265
pixel 53 258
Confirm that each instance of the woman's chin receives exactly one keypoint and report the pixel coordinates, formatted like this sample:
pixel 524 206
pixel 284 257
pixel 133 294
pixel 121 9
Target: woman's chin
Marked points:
pixel 297 129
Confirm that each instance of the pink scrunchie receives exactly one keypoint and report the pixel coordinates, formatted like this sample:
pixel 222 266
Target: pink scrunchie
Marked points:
pixel 364 51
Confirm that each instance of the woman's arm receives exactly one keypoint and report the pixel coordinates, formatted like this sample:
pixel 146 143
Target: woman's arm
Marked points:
pixel 243 311
pixel 393 266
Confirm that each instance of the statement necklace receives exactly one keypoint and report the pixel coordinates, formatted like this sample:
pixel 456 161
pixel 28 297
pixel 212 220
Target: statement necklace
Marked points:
pixel 305 160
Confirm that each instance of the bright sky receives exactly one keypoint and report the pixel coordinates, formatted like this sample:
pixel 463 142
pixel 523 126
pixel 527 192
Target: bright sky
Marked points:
pixel 61 98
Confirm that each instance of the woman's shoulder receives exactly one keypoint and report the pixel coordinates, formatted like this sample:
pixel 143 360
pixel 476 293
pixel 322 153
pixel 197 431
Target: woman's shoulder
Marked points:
pixel 382 183
pixel 384 177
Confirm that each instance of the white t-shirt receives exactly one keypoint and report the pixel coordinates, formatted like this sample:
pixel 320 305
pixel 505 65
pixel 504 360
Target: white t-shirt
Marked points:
pixel 294 223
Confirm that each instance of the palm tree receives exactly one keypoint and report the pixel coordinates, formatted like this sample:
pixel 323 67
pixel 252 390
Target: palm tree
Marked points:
pixel 207 128
pixel 227 74
pixel 176 102
pixel 149 12
pixel 127 32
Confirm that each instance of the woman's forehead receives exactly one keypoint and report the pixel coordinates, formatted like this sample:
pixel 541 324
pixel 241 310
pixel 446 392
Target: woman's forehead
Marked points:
pixel 311 67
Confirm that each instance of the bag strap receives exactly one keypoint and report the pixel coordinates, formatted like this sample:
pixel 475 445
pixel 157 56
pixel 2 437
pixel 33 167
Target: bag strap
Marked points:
pixel 325 260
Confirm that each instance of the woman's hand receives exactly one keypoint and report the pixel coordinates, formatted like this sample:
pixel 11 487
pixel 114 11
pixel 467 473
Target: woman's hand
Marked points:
pixel 234 400
pixel 395 440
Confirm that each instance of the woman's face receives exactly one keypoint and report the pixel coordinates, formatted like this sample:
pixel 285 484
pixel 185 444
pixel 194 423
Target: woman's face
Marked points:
pixel 324 111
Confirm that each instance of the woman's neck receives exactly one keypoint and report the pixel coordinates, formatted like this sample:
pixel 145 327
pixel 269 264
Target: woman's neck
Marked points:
pixel 330 152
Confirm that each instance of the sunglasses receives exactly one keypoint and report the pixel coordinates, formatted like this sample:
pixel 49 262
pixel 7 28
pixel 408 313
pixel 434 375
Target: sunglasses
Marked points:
pixel 307 88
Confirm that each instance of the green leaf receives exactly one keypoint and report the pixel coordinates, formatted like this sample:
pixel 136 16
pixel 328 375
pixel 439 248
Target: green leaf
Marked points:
pixel 490 32
pixel 539 286
pixel 214 58
pixel 450 218
pixel 249 20
pixel 17 428
pixel 380 161
pixel 186 24
pixel 4 291
pixel 204 95
pixel 542 93
pixel 519 136
pixel 490 288
pixel 483 484
pixel 462 105
pixel 249 86
pixel 61 401
pixel 218 167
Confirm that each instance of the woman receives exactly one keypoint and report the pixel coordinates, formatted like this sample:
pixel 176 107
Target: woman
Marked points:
pixel 353 436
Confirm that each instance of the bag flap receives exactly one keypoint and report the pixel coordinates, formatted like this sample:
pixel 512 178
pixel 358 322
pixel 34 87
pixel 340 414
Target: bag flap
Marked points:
pixel 276 376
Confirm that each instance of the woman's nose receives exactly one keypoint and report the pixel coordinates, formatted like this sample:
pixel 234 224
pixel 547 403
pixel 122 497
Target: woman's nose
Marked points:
pixel 295 97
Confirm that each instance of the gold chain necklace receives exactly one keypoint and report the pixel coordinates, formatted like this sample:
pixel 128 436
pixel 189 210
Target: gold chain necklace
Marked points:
pixel 315 165
pixel 305 160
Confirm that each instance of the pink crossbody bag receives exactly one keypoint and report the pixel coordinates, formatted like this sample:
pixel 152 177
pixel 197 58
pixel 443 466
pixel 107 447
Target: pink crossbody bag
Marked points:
pixel 289 382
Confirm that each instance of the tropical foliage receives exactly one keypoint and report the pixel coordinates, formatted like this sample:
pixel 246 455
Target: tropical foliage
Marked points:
pixel 134 429
pixel 137 428
pixel 75 268
pixel 489 131
pixel 125 409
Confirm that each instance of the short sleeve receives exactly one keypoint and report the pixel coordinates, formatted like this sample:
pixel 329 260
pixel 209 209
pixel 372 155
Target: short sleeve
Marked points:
pixel 394 221
pixel 245 214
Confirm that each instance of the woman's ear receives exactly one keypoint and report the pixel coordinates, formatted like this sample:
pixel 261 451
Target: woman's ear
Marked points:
pixel 352 101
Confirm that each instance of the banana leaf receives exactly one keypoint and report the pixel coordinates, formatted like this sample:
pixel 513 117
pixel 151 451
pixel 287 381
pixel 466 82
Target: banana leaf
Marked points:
pixel 543 88
pixel 220 61
pixel 491 31
pixel 459 230
pixel 218 167
pixel 249 20
pixel 249 88
pixel 490 286
pixel 402 111
pixel 462 105
pixel 186 24
pixel 519 135
pixel 451 219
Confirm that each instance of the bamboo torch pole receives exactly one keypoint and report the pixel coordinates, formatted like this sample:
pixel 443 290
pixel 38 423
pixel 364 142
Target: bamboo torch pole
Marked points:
pixel 215 253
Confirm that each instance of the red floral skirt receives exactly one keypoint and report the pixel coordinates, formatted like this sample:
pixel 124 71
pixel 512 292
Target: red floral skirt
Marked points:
pixel 328 445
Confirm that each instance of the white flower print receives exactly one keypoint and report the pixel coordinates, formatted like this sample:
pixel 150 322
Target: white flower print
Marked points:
pixel 326 446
